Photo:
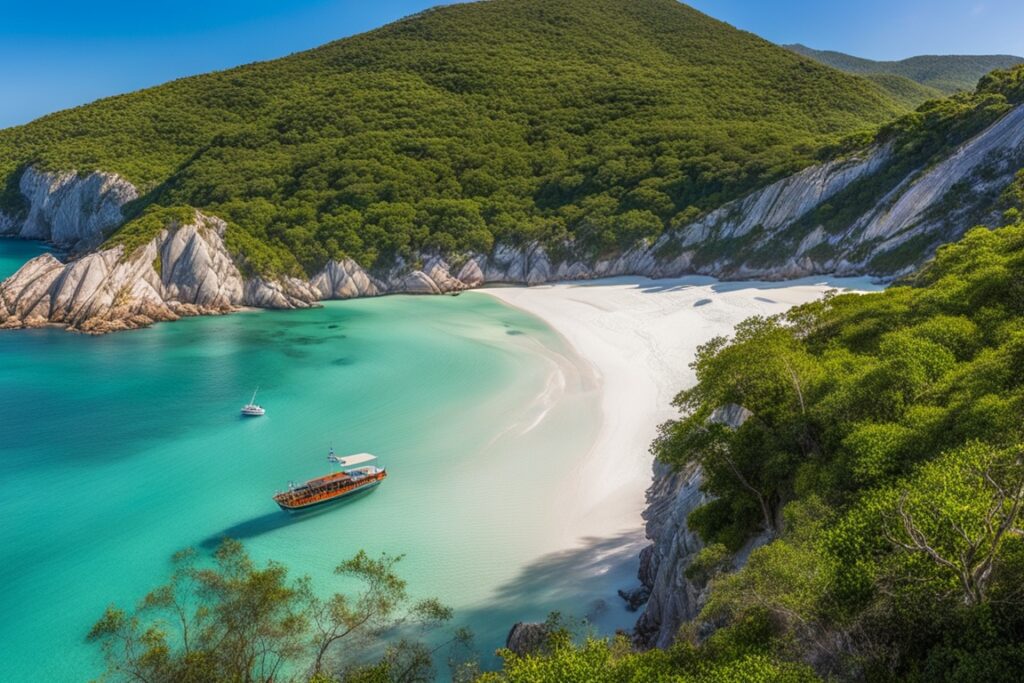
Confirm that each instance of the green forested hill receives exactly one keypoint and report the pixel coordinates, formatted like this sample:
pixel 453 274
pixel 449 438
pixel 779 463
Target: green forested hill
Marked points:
pixel 910 93
pixel 509 119
pixel 939 74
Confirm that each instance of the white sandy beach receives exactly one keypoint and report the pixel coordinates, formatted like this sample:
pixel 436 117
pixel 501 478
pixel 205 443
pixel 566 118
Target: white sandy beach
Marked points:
pixel 640 336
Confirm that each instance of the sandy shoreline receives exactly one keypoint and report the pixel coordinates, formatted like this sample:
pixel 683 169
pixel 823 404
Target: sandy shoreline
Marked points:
pixel 639 336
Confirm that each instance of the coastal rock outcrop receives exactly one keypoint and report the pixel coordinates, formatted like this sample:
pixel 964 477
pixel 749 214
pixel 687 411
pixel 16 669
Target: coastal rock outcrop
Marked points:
pixel 286 292
pixel 781 203
pixel 73 212
pixel 109 290
pixel 674 598
pixel 185 270
pixel 526 638
pixel 345 280
pixel 909 211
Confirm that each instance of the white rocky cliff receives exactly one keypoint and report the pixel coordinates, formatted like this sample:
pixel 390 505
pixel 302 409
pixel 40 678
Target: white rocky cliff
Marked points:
pixel 669 596
pixel 71 211
pixel 183 271
pixel 110 290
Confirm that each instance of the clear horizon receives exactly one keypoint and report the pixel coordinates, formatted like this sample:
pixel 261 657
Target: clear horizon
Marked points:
pixel 63 54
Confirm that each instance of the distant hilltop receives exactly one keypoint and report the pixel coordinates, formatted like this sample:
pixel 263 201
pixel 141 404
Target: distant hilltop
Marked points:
pixel 935 75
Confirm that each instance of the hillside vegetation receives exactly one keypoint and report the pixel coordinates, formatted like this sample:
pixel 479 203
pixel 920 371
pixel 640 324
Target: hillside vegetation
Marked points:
pixel 908 92
pixel 938 74
pixel 511 120
pixel 920 140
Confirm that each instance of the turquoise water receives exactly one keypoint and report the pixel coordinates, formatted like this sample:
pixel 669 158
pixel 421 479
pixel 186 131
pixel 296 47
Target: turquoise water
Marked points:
pixel 14 253
pixel 116 451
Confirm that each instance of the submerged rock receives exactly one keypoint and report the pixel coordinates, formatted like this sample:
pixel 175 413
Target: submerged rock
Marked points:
pixel 526 638
pixel 635 597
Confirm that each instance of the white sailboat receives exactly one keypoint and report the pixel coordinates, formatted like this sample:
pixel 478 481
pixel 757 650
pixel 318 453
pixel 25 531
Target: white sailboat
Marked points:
pixel 252 409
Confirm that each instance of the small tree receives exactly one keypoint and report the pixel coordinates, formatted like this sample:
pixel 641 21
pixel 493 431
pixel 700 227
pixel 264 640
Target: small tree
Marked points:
pixel 958 515
pixel 747 464
pixel 236 621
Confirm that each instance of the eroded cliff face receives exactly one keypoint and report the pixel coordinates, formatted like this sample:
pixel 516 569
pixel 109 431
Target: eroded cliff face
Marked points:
pixel 183 271
pixel 673 598
pixel 73 212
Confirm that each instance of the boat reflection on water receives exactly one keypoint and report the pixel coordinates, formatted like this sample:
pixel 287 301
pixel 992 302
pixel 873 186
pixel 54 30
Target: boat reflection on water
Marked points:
pixel 272 521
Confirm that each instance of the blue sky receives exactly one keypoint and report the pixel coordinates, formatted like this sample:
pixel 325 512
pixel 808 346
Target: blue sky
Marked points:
pixel 61 53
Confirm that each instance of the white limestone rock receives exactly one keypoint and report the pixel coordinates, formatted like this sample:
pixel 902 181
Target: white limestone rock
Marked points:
pixel 506 264
pixel 785 201
pixel 540 270
pixel 197 269
pixel 416 282
pixel 439 272
pixel 345 280
pixel 288 292
pixel 185 269
pixel 26 294
pixel 472 273
pixel 74 212
pixel 1004 136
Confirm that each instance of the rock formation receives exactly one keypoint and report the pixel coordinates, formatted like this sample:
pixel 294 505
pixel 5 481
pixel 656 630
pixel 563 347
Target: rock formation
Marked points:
pixel 675 598
pixel 526 638
pixel 185 270
pixel 73 212
pixel 110 290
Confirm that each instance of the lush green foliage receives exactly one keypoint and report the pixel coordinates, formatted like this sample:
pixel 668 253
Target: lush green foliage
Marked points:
pixel 509 120
pixel 942 73
pixel 884 452
pixel 910 93
pixel 151 221
pixel 236 621
pixel 615 661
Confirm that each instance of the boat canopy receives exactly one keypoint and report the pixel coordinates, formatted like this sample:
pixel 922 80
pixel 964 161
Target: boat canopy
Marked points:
pixel 349 460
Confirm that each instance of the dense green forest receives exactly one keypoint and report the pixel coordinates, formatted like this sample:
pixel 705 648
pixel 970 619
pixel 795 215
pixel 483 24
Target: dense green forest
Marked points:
pixel 512 120
pixel 910 93
pixel 941 74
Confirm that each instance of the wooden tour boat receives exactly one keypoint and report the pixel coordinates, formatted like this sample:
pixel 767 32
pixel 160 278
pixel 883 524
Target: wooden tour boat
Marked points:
pixel 334 486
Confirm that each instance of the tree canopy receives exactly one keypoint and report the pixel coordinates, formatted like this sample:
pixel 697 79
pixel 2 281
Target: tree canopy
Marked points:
pixel 509 120
pixel 884 453
pixel 233 620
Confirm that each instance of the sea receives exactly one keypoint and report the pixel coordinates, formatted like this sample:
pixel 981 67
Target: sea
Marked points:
pixel 117 451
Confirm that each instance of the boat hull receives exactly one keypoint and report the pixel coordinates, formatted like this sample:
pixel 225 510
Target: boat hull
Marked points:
pixel 341 495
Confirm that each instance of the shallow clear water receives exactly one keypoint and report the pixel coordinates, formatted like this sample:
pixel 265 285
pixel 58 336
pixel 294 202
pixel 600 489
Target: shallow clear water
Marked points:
pixel 116 451
pixel 14 253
